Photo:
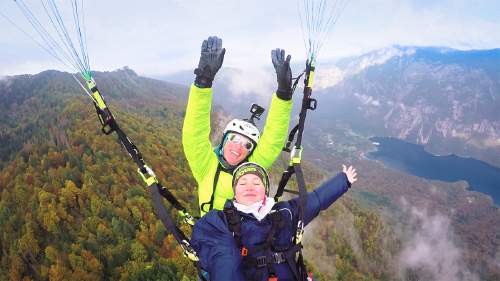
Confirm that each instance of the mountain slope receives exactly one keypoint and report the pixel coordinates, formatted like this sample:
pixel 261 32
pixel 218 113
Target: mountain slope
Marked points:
pixel 445 99
pixel 72 206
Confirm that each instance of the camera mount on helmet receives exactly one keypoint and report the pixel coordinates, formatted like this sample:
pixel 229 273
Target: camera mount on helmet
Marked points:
pixel 256 111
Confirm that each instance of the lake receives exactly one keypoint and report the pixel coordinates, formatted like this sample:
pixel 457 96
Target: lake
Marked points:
pixel 413 159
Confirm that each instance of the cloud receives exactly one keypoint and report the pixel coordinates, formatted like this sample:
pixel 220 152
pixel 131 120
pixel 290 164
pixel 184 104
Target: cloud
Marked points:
pixel 255 81
pixel 330 75
pixel 160 37
pixel 457 24
pixel 366 99
pixel 430 251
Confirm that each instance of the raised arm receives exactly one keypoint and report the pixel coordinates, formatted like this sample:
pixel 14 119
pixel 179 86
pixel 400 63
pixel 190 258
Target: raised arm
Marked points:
pixel 276 129
pixel 322 197
pixel 196 129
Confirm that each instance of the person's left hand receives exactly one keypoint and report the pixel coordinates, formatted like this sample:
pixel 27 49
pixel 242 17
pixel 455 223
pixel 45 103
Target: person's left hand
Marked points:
pixel 350 173
pixel 283 73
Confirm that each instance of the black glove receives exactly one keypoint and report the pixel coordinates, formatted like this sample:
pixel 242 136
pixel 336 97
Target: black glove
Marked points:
pixel 283 73
pixel 212 56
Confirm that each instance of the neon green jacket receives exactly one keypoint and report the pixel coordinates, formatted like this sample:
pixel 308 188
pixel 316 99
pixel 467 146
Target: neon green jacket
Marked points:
pixel 199 152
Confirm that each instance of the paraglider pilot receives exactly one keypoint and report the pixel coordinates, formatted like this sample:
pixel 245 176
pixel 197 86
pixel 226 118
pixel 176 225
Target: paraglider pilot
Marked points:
pixel 242 141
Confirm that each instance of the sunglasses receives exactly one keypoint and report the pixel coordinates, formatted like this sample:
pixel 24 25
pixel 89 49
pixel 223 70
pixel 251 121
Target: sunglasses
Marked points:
pixel 237 138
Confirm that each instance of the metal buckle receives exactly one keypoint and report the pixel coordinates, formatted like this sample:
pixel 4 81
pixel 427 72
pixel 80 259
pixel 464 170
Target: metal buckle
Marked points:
pixel 187 218
pixel 107 120
pixel 278 258
pixel 312 104
pixel 188 251
pixel 296 155
pixel 261 261
pixel 149 176
pixel 299 233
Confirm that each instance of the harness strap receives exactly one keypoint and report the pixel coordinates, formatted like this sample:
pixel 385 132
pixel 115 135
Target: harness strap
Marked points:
pixel 301 266
pixel 308 103
pixel 156 190
pixel 234 222
pixel 294 167
pixel 287 174
pixel 274 257
pixel 210 203
pixel 291 137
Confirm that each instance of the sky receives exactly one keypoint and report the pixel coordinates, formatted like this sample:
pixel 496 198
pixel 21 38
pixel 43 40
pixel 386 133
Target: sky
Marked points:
pixel 158 37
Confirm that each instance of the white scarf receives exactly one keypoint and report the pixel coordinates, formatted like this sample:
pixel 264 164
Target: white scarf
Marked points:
pixel 258 209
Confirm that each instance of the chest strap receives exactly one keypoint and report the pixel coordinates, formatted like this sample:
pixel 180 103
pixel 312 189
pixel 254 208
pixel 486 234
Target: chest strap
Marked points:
pixel 207 206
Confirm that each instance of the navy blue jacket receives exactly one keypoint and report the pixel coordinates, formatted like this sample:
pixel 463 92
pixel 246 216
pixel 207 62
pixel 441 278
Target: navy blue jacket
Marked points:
pixel 219 253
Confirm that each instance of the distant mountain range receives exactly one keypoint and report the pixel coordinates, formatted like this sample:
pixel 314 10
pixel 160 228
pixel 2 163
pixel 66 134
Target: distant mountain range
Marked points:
pixel 445 99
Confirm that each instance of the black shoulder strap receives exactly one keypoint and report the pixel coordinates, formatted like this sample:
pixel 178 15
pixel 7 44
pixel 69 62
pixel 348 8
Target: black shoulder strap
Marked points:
pixel 156 190
pixel 277 223
pixel 234 223
pixel 308 103
pixel 210 203
pixel 295 167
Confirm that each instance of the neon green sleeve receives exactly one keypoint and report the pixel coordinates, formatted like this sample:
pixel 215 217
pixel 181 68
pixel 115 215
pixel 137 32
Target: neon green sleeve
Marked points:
pixel 275 133
pixel 196 131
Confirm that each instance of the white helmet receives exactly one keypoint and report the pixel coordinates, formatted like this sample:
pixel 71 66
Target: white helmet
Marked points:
pixel 244 128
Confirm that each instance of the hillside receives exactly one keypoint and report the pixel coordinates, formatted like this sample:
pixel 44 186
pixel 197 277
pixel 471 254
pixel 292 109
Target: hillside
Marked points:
pixel 72 206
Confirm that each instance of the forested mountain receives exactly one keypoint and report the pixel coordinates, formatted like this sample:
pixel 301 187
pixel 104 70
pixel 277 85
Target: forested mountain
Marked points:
pixel 72 206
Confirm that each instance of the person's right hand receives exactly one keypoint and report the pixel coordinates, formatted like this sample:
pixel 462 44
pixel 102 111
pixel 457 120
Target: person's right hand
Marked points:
pixel 350 173
pixel 212 56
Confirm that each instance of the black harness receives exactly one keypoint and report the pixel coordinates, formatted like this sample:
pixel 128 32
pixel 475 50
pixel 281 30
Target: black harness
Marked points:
pixel 273 254
pixel 155 188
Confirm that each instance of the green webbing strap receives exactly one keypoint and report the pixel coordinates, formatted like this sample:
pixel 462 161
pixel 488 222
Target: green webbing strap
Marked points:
pixel 156 190
pixel 294 167
pixel 302 202
pixel 296 152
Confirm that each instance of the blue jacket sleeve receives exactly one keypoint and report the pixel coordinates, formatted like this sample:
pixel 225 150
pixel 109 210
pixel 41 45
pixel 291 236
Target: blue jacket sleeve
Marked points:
pixel 216 247
pixel 322 197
